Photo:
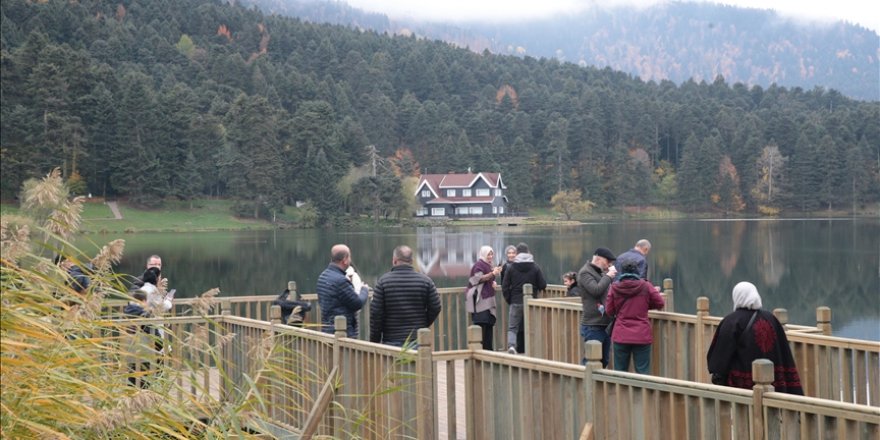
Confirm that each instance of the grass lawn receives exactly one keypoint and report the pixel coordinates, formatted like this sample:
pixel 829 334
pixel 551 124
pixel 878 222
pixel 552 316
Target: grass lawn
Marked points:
pixel 207 215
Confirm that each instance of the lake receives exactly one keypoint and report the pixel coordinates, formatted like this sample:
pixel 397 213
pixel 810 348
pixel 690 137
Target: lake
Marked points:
pixel 796 264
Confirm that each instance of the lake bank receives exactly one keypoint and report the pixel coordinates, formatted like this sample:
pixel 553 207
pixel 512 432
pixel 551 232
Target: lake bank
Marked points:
pixel 208 215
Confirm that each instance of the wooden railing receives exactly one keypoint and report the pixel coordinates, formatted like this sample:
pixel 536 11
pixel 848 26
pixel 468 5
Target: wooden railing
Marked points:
pixel 344 388
pixel 830 368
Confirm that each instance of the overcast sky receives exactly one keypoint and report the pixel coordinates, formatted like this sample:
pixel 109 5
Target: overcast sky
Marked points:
pixel 862 12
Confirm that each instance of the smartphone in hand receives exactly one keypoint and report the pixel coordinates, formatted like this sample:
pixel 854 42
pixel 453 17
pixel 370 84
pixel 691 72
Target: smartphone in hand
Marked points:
pixel 170 294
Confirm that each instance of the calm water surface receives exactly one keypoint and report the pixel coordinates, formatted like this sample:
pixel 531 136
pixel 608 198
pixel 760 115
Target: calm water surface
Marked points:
pixel 796 264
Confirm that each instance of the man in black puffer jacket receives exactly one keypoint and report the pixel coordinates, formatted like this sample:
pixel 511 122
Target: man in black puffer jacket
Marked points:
pixel 403 302
pixel 523 271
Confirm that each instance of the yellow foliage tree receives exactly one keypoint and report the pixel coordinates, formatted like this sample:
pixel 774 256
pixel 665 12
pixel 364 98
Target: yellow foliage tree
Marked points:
pixel 569 203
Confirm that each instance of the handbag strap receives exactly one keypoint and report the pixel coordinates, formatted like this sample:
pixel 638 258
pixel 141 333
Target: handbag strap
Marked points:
pixel 748 326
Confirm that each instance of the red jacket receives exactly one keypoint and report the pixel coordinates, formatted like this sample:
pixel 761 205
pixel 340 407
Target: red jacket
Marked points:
pixel 632 325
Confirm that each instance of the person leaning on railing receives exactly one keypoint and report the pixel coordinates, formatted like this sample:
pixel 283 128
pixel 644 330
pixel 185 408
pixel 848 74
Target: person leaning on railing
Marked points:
pixel 747 334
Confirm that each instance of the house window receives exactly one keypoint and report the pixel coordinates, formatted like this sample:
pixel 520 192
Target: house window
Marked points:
pixel 450 193
pixel 476 210
pixel 497 192
pixel 483 192
pixel 438 212
pixel 501 210
pixel 426 193
pixel 461 210
pixel 494 210
pixel 422 212
pixel 465 193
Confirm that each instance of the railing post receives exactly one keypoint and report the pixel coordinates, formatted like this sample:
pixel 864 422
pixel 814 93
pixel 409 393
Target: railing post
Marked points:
pixel 762 375
pixel 781 316
pixel 701 370
pixel 425 407
pixel 275 315
pixel 291 286
pixel 340 327
pixel 474 344
pixel 226 350
pixel 593 354
pixel 474 337
pixel 528 330
pixel 670 299
pixel 823 319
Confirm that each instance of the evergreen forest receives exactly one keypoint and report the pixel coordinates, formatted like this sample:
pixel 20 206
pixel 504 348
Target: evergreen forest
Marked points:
pixel 184 99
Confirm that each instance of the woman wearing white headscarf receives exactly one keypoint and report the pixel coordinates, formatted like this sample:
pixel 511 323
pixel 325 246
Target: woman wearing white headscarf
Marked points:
pixel 480 294
pixel 747 334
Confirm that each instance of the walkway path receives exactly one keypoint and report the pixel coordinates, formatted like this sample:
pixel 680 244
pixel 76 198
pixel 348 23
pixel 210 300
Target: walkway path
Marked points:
pixel 115 208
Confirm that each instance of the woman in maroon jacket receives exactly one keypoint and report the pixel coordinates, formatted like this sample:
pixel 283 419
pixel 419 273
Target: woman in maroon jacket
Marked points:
pixel 629 299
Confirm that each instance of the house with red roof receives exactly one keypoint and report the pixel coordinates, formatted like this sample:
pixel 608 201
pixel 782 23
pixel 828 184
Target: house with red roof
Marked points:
pixel 461 195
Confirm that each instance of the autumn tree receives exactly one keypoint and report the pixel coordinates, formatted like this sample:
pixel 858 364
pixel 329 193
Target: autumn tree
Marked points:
pixel 771 169
pixel 569 203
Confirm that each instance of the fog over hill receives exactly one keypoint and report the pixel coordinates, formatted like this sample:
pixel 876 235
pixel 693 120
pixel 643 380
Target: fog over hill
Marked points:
pixel 672 41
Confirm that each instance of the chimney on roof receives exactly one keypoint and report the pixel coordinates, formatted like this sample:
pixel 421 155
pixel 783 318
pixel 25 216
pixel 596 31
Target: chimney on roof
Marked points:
pixel 469 170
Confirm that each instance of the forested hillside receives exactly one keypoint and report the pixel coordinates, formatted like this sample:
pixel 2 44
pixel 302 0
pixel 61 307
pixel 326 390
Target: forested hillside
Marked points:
pixel 156 99
pixel 670 40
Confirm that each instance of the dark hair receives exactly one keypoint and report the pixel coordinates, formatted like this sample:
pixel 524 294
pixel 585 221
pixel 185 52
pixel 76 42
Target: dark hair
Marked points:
pixel 151 275
pixel 522 248
pixel 629 266
pixel 571 276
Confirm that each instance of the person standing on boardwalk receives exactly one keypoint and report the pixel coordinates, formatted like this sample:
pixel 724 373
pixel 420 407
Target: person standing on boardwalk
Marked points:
pixel 340 291
pixel 480 294
pixel 638 253
pixel 403 302
pixel 747 334
pixel 522 271
pixel 629 299
pixel 158 298
pixel 595 278
pixel 510 254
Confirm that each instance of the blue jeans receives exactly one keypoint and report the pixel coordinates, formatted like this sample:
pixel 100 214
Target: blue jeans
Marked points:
pixel 640 353
pixel 597 333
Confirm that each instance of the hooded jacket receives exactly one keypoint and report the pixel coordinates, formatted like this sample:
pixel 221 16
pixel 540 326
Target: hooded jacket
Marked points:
pixel 632 325
pixel 522 271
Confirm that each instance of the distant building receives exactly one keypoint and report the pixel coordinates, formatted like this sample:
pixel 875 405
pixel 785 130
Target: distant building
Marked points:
pixel 461 195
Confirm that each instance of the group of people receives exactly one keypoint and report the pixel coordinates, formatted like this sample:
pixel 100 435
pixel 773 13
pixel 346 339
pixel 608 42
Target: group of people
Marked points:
pixel 616 295
pixel 150 298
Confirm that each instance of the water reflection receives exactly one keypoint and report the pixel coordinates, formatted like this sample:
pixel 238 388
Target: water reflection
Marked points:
pixel 796 264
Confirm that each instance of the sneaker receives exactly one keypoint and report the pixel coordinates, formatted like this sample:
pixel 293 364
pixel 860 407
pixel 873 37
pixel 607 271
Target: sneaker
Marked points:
pixel 511 350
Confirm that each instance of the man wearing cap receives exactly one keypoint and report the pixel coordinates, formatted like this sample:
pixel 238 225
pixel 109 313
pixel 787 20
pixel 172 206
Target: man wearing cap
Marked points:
pixel 595 278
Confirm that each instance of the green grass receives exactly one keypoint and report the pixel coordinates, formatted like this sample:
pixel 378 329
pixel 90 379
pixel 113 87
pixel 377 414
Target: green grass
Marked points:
pixel 206 215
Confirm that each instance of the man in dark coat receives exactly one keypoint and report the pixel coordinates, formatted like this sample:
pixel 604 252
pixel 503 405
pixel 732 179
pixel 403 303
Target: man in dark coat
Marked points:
pixel 340 293
pixel 403 301
pixel 595 278
pixel 522 271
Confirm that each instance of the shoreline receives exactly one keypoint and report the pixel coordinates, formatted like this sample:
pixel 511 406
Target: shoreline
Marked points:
pixel 215 216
